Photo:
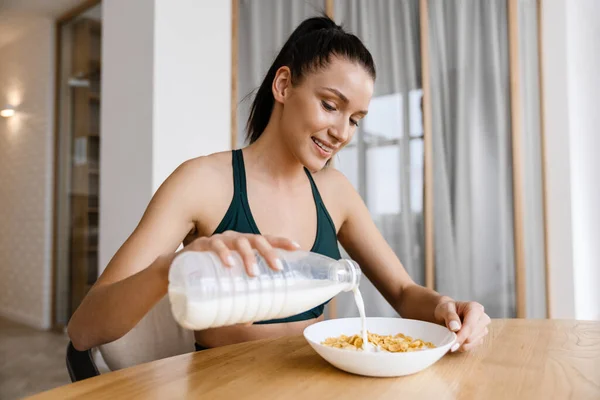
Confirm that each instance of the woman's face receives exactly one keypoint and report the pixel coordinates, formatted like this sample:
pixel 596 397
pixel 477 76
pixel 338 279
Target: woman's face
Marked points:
pixel 320 114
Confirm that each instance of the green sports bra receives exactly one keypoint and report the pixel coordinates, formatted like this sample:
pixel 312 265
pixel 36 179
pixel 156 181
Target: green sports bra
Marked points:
pixel 238 218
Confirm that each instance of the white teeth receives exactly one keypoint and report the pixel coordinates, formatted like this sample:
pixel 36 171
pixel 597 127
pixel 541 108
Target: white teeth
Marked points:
pixel 322 145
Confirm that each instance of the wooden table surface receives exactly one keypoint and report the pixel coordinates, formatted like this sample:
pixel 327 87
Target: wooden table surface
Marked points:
pixel 521 359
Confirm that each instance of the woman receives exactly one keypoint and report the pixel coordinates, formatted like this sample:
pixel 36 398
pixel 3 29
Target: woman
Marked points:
pixel 307 108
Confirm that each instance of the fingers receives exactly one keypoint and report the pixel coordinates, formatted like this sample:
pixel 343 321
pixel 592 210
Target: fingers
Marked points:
pixel 282 243
pixel 484 321
pixel 266 247
pixel 222 251
pixel 449 313
pixel 474 340
pixel 476 337
pixel 478 334
pixel 451 316
pixel 471 345
pixel 472 313
pixel 480 330
pixel 474 329
pixel 269 254
pixel 200 244
pixel 245 244
pixel 243 247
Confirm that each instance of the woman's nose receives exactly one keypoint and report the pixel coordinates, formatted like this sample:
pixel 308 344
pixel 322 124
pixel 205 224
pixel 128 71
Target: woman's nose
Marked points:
pixel 341 132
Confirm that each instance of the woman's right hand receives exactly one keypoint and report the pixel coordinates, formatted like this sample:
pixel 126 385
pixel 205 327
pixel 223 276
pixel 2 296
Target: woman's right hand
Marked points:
pixel 245 244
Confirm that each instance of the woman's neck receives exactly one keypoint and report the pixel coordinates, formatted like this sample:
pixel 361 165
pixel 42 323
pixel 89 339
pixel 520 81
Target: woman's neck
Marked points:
pixel 270 157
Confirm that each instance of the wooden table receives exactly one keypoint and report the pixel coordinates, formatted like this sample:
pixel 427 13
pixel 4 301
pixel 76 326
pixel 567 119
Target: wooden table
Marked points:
pixel 524 359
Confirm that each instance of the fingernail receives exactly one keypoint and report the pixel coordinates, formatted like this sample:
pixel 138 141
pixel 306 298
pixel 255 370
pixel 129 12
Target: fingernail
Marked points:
pixel 230 260
pixel 279 264
pixel 454 325
pixel 255 270
pixel 296 244
pixel 455 347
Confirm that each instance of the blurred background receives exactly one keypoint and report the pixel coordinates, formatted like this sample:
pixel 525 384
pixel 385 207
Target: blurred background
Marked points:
pixel 477 159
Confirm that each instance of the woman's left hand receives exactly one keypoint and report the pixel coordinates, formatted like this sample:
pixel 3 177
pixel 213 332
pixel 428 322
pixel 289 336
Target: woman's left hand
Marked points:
pixel 467 319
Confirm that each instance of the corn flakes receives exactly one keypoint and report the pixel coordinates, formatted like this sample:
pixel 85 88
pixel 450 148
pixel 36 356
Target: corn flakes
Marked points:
pixel 394 344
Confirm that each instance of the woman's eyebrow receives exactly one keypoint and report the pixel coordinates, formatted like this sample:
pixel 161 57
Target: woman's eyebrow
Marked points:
pixel 343 98
pixel 338 94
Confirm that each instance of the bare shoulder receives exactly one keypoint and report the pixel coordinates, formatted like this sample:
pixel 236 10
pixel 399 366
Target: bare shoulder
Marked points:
pixel 331 179
pixel 213 166
pixel 337 193
pixel 203 185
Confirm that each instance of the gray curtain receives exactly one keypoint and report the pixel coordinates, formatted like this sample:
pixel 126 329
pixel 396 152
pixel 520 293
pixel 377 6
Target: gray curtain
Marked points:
pixel 473 211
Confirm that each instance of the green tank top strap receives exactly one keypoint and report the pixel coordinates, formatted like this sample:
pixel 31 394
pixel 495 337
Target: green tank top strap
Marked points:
pixel 313 186
pixel 239 173
pixel 238 217
pixel 326 240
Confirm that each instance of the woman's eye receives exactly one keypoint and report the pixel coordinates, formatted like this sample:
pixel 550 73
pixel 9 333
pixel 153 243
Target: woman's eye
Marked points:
pixel 353 122
pixel 328 106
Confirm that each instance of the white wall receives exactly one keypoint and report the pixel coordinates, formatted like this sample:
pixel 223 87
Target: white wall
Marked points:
pixel 571 83
pixel 125 120
pixel 192 82
pixel 166 89
pixel 583 49
pixel 26 159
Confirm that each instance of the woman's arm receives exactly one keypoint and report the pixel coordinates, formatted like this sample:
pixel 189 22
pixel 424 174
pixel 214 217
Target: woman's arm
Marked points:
pixel 364 243
pixel 137 276
pixel 135 279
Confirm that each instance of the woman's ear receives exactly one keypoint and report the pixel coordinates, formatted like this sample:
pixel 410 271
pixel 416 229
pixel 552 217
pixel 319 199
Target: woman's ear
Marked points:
pixel 282 84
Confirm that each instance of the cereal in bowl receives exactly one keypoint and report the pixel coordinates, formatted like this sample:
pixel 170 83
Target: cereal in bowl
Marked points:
pixel 394 344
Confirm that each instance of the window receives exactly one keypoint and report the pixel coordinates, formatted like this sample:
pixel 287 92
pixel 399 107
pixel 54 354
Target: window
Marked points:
pixel 381 161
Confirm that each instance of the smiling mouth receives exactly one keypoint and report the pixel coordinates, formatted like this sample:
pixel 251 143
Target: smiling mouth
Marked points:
pixel 322 146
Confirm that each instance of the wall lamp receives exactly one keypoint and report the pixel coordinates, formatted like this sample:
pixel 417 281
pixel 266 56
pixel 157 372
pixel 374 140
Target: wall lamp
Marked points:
pixel 7 111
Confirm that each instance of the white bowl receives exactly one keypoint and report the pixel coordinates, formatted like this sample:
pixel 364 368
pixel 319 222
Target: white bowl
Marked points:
pixel 380 364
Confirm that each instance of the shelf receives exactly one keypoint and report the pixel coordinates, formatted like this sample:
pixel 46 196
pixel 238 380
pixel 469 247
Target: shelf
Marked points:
pixel 83 178
pixel 87 195
pixel 91 200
